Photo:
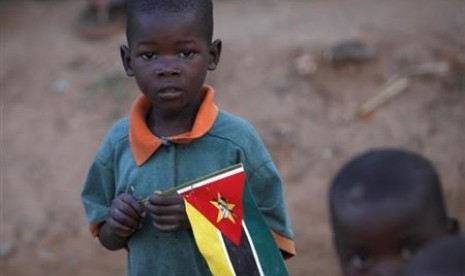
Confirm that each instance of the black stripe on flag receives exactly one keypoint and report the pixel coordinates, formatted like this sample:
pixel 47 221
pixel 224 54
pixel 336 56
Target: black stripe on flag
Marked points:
pixel 241 256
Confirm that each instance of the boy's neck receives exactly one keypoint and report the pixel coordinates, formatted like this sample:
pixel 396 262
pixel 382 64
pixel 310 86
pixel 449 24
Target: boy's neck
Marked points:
pixel 166 126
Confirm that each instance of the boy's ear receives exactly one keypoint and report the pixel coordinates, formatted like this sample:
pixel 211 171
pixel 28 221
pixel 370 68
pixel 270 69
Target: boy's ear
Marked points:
pixel 453 226
pixel 126 59
pixel 215 52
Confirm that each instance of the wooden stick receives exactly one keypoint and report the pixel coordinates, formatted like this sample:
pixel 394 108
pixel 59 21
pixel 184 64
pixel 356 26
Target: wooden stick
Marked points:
pixel 392 89
pixel 398 85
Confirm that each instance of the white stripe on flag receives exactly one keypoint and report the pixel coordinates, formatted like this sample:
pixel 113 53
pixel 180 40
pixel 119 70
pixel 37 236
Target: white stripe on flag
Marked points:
pixel 225 251
pixel 252 247
pixel 210 180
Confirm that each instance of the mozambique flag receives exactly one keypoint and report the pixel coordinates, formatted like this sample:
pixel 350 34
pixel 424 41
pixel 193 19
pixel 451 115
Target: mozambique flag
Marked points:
pixel 228 228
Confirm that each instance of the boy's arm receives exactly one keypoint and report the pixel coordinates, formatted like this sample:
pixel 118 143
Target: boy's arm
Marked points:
pixel 112 220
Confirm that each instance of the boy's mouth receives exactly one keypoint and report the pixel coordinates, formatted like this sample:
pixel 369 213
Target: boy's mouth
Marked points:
pixel 169 92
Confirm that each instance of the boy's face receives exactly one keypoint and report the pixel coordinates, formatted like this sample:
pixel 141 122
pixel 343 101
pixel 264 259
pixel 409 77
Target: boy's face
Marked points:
pixel 378 238
pixel 169 55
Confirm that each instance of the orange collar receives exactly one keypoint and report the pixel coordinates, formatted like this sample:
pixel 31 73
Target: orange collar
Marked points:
pixel 144 143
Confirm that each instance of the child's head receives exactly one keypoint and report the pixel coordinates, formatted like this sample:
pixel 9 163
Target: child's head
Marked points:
pixel 202 8
pixel 444 257
pixel 170 50
pixel 385 204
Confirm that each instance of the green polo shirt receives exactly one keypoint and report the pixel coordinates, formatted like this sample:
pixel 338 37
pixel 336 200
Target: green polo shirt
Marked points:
pixel 133 160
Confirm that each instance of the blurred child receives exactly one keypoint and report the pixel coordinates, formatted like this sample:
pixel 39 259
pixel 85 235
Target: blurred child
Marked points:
pixel 101 18
pixel 444 257
pixel 103 8
pixel 175 133
pixel 385 205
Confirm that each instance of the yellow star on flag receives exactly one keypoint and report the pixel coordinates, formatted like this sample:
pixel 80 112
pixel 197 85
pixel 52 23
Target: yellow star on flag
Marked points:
pixel 224 209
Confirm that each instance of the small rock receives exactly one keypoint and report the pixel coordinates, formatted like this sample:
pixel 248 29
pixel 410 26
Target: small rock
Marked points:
pixel 432 68
pixel 350 51
pixel 61 86
pixel 305 65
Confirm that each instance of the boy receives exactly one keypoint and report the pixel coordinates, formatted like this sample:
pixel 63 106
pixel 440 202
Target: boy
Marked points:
pixel 385 204
pixel 444 257
pixel 175 133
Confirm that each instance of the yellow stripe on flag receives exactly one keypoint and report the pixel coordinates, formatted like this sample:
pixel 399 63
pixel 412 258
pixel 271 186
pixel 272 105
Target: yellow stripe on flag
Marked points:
pixel 210 242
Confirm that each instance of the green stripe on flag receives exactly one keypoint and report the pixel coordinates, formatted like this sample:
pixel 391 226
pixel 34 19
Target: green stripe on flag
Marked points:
pixel 268 253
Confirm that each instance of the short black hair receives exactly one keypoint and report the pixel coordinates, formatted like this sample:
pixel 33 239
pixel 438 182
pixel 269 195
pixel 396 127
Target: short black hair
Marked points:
pixel 203 7
pixel 389 173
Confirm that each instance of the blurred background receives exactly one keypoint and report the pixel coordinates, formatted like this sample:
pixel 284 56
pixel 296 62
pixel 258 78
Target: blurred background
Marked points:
pixel 322 80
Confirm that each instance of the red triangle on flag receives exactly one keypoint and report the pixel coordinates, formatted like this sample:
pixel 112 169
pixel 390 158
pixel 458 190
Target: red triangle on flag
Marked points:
pixel 219 199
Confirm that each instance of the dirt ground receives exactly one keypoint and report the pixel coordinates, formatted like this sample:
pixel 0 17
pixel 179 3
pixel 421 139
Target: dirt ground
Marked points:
pixel 60 93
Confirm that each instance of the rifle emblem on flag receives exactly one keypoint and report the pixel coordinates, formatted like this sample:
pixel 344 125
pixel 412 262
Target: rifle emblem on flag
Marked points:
pixel 225 209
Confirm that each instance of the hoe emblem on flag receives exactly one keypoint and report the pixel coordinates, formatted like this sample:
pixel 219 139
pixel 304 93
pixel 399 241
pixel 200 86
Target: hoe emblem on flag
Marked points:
pixel 225 209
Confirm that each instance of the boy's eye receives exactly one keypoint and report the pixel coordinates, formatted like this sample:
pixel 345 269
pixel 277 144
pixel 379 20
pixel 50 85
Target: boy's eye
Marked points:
pixel 186 54
pixel 409 247
pixel 149 56
pixel 359 261
pixel 407 252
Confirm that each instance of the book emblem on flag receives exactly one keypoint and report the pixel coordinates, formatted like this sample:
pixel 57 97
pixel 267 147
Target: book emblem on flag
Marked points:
pixel 225 209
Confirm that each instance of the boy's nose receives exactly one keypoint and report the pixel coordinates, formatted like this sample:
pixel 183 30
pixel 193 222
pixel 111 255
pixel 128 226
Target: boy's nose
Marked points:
pixel 167 68
pixel 168 72
pixel 388 267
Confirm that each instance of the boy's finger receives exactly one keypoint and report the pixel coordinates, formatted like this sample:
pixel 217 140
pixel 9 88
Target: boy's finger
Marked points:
pixel 120 229
pixel 163 210
pixel 130 203
pixel 138 207
pixel 123 218
pixel 170 223
pixel 126 209
pixel 128 198
pixel 165 228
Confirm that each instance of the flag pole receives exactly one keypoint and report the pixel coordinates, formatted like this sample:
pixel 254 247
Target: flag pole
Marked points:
pixel 192 182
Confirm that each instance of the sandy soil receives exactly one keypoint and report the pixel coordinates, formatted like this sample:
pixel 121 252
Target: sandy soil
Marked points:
pixel 60 93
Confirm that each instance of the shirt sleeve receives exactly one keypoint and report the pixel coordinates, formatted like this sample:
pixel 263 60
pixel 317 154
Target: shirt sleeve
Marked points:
pixel 267 189
pixel 99 190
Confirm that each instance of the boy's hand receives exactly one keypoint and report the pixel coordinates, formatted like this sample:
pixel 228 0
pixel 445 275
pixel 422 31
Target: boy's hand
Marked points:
pixel 125 215
pixel 168 212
